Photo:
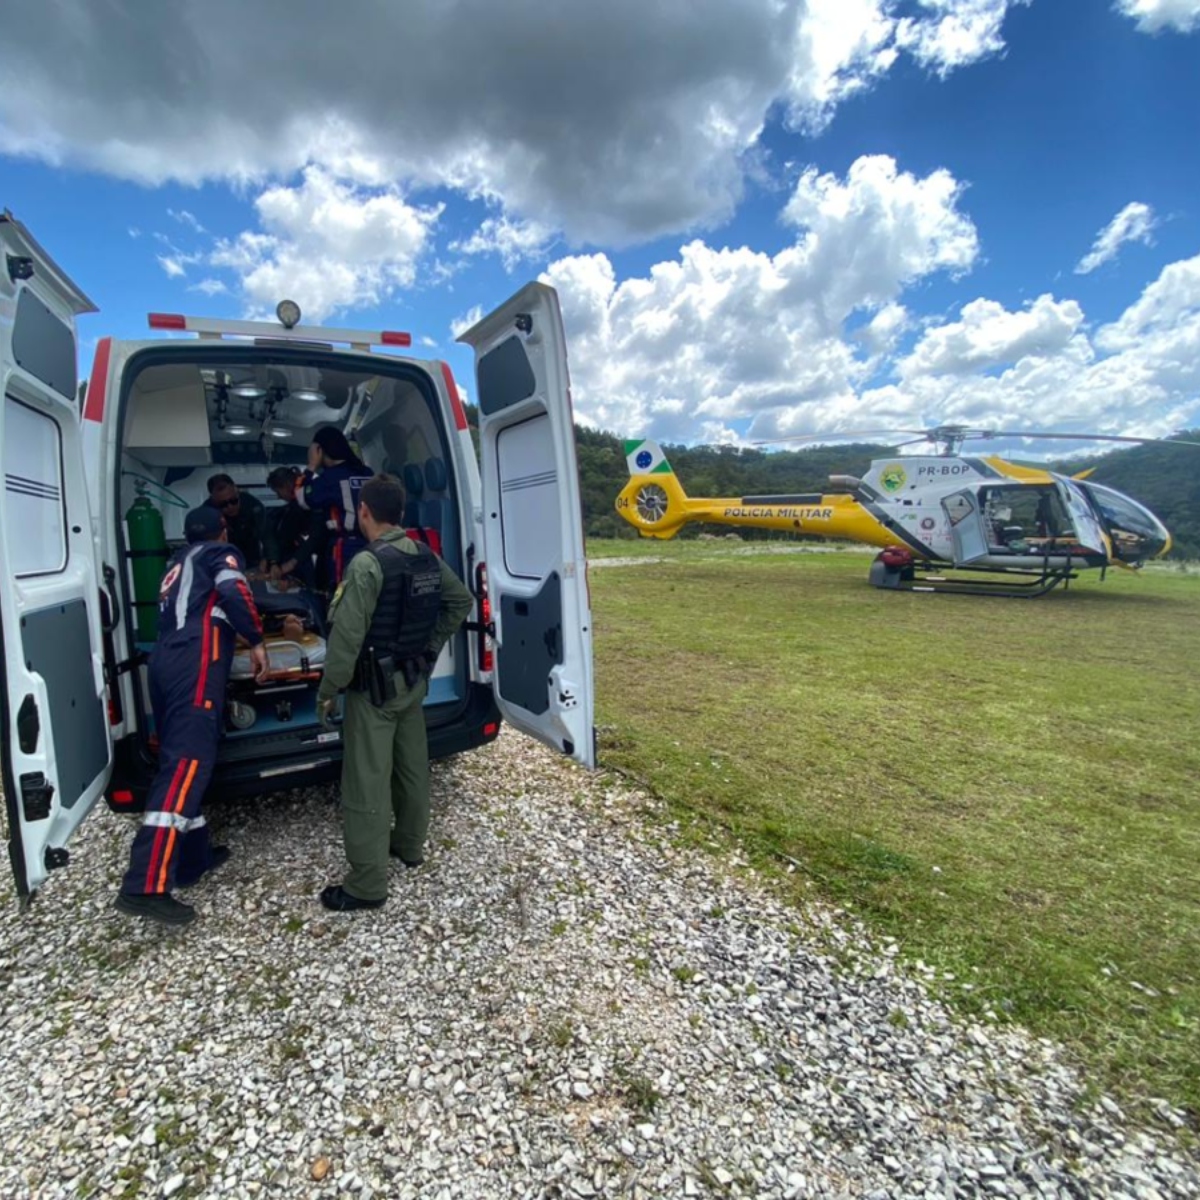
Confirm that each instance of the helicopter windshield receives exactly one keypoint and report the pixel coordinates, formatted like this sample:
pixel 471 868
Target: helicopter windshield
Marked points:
pixel 1137 534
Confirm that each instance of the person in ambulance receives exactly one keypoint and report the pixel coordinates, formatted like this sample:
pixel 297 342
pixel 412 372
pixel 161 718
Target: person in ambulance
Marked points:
pixel 204 603
pixel 330 491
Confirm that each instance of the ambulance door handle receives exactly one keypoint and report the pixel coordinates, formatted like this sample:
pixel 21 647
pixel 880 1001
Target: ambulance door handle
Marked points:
pixel 110 611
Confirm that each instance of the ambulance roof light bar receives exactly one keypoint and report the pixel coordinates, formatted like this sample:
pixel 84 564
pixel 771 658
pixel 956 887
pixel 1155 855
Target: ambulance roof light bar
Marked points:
pixel 215 328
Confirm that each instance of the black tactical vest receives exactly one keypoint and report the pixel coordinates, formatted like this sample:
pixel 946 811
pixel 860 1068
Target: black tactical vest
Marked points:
pixel 409 602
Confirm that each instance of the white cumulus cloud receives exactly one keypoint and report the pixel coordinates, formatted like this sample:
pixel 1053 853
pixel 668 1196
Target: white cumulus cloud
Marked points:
pixel 1153 16
pixel 513 241
pixel 1172 301
pixel 610 123
pixel 731 344
pixel 1134 223
pixel 328 246
pixel 724 334
pixel 956 32
pixel 988 335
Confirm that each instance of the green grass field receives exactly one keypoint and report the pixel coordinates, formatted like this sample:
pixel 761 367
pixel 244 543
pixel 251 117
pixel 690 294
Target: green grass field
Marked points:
pixel 1009 787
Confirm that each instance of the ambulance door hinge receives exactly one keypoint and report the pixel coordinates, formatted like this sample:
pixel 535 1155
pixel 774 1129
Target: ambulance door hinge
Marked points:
pixel 19 267
pixel 36 793
pixel 56 857
pixel 479 627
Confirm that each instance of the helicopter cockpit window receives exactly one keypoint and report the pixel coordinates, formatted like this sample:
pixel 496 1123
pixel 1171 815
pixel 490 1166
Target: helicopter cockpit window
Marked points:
pixel 1136 533
pixel 1019 518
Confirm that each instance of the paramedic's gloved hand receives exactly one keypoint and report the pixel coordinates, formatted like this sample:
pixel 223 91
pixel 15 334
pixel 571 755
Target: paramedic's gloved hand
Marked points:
pixel 325 712
pixel 262 664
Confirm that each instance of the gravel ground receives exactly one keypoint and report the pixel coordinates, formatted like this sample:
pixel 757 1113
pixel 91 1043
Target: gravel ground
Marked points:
pixel 559 1004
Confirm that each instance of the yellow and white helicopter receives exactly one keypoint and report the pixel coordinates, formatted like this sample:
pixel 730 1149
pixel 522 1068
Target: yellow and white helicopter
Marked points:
pixel 1026 529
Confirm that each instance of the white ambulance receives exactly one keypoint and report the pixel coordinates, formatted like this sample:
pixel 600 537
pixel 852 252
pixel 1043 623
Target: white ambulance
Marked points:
pixel 156 420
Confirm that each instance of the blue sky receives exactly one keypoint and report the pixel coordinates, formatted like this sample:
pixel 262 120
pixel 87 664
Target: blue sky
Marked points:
pixel 762 219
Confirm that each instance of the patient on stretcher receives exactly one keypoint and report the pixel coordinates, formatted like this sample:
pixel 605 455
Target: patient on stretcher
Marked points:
pixel 293 631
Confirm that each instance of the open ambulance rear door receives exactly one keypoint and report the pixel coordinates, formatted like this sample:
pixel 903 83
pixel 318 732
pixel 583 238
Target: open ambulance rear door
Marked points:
pixel 533 523
pixel 57 754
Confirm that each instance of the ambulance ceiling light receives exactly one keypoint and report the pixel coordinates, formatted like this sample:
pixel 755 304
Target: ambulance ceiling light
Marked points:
pixel 309 395
pixel 279 432
pixel 237 430
pixel 248 391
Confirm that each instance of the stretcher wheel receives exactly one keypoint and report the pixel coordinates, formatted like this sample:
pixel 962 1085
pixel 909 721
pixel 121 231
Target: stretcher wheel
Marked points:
pixel 241 716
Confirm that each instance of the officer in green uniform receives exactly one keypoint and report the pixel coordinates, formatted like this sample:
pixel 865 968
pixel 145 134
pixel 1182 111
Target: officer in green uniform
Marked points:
pixel 393 612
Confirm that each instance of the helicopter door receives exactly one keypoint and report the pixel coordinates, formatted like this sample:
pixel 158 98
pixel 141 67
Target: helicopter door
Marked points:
pixel 532 523
pixel 1086 525
pixel 56 751
pixel 967 527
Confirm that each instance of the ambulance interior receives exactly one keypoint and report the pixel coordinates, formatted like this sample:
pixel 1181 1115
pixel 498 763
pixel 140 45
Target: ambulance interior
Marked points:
pixel 242 415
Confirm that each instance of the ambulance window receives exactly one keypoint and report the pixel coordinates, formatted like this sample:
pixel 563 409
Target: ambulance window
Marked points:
pixel 529 500
pixel 35 516
pixel 43 345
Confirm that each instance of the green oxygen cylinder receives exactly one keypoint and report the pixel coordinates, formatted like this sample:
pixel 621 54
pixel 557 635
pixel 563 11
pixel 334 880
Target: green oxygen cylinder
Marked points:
pixel 148 552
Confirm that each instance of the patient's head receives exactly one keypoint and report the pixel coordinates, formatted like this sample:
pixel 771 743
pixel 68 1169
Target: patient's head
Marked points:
pixel 282 481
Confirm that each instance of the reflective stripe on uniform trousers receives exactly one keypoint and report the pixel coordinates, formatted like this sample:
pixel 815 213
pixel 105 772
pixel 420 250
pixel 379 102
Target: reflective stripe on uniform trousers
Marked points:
pixel 168 820
pixel 160 854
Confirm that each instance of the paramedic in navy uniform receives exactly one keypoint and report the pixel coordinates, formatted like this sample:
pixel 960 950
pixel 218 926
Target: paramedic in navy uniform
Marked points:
pixel 204 604
pixel 329 490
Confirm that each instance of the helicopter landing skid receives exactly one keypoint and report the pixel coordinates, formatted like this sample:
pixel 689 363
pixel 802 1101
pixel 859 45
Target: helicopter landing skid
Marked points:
pixel 1014 583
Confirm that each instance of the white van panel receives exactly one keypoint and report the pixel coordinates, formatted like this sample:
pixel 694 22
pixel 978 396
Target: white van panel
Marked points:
pixel 56 749
pixel 533 524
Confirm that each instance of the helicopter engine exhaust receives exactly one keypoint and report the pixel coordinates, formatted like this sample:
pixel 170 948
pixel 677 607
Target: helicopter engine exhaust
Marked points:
pixel 844 483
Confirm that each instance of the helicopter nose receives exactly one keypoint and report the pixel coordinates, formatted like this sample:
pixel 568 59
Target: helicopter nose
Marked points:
pixel 1136 533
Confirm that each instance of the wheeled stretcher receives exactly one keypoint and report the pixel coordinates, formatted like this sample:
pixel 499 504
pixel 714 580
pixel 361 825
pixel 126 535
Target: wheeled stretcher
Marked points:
pixel 293 633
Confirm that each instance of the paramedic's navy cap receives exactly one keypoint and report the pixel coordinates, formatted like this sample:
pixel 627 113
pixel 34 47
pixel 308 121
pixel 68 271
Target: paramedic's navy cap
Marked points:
pixel 203 524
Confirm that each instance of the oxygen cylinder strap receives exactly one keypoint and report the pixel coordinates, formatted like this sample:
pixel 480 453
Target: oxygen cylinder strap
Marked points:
pixel 113 673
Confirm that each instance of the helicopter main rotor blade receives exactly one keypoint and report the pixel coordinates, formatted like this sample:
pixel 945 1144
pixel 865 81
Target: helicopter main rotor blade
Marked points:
pixel 850 433
pixel 1089 437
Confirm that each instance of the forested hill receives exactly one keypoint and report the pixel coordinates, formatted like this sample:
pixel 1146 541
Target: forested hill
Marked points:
pixel 1165 478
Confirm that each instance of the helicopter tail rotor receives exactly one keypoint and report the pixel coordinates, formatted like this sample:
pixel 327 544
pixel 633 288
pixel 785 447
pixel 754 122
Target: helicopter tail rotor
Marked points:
pixel 653 501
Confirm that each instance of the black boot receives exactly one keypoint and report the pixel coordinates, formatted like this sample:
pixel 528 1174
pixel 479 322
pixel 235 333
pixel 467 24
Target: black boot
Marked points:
pixel 336 897
pixel 163 908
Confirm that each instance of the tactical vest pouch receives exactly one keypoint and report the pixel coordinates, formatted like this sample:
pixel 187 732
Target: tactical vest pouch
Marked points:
pixel 375 675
